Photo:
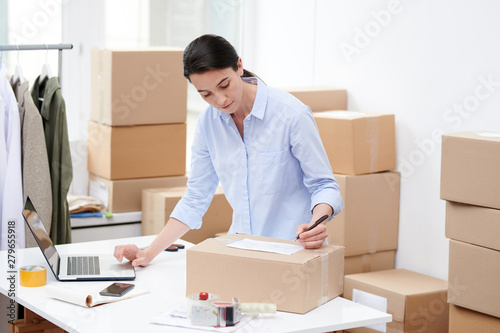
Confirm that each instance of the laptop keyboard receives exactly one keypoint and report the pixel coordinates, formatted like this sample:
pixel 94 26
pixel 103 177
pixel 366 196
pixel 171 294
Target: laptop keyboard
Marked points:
pixel 83 265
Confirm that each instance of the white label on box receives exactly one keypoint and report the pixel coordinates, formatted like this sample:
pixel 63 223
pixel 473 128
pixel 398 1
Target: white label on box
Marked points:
pixel 373 301
pixel 99 191
pixel 490 134
pixel 254 245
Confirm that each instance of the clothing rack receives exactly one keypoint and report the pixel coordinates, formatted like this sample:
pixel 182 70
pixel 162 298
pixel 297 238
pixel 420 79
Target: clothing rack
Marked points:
pixel 40 47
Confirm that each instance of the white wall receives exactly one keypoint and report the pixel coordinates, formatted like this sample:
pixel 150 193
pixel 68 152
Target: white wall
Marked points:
pixel 424 61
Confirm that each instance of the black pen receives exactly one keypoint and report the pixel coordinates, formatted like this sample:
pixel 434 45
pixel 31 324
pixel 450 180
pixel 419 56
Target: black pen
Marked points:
pixel 321 219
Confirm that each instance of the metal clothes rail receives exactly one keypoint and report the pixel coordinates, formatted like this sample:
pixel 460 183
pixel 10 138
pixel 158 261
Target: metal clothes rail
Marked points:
pixel 40 47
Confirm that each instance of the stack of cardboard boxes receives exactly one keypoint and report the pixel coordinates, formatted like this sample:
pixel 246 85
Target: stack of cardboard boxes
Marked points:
pixel 137 131
pixel 470 182
pixel 361 150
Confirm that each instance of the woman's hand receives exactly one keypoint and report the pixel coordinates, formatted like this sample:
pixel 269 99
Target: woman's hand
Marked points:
pixel 312 239
pixel 131 252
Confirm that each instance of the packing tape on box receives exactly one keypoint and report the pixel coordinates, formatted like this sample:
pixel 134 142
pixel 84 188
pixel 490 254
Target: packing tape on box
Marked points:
pixel 32 276
pixel 372 132
pixel 372 242
pixel 365 263
pixel 324 279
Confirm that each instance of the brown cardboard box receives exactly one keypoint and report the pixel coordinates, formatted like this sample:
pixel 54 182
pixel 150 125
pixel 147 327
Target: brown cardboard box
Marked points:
pixel 128 152
pixel 473 224
pixel 369 262
pixel 357 142
pixel 369 221
pixel 416 301
pixel 295 283
pixel 158 204
pixel 474 275
pixel 397 327
pixel 467 321
pixel 138 86
pixel 126 195
pixel 469 168
pixel 321 98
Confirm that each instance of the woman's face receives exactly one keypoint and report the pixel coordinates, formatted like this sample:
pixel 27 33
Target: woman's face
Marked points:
pixel 221 88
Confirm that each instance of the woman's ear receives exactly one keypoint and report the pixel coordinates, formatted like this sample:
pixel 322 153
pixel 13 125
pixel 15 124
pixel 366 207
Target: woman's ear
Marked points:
pixel 239 62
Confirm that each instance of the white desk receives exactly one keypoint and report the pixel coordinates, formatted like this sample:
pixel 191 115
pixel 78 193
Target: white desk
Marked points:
pixel 165 279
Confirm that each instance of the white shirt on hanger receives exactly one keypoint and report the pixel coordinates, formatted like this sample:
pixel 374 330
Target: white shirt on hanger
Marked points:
pixel 12 197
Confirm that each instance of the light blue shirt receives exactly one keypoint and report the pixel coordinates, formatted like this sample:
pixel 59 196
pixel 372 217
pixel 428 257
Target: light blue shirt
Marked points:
pixel 272 178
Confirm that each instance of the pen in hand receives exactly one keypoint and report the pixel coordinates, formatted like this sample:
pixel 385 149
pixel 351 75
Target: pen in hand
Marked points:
pixel 321 219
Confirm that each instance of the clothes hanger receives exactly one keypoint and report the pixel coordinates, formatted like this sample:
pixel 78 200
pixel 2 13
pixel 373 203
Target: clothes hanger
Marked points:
pixel 18 73
pixel 46 72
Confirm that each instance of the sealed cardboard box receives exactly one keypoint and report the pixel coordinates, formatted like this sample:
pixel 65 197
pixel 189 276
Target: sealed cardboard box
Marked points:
pixel 370 218
pixel 125 195
pixel 369 262
pixel 296 283
pixel 466 321
pixel 417 302
pixel 128 152
pixel 474 275
pixel 473 224
pixel 320 98
pixel 138 86
pixel 158 204
pixel 469 168
pixel 358 142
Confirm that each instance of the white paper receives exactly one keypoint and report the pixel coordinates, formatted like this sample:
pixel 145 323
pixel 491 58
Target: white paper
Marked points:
pixel 177 316
pixel 88 298
pixel 254 245
pixel 99 191
pixel 373 301
pixel 490 134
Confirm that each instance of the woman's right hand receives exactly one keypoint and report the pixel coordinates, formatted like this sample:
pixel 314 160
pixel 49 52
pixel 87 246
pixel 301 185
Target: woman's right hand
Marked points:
pixel 131 252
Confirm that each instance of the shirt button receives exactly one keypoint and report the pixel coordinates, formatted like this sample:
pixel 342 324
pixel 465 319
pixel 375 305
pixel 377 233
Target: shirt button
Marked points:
pixel 247 126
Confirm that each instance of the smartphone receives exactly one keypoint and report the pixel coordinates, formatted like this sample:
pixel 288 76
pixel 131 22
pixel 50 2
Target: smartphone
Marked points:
pixel 117 289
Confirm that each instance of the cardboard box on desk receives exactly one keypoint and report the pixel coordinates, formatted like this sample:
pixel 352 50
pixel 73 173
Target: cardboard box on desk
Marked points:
pixel 469 168
pixel 369 262
pixel 126 195
pixel 320 98
pixel 370 218
pixel 296 283
pixel 466 321
pixel 357 142
pixel 474 275
pixel 417 302
pixel 128 152
pixel 138 86
pixel 158 204
pixel 473 224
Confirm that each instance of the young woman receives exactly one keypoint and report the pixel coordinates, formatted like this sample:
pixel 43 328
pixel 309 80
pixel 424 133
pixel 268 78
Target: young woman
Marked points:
pixel 261 144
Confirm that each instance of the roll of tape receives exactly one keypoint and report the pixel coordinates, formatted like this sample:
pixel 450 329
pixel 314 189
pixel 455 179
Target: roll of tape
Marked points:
pixel 33 276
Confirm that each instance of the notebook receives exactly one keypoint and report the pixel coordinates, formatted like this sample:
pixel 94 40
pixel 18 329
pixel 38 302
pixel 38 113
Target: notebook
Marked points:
pixel 75 267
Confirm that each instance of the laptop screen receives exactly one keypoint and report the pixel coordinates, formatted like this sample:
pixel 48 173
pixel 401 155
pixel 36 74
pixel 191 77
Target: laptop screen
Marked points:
pixel 41 236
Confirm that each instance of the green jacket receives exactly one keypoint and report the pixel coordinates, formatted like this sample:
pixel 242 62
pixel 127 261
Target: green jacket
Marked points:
pixel 48 99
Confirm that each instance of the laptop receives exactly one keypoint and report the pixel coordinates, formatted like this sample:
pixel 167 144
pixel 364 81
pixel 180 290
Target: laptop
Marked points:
pixel 81 267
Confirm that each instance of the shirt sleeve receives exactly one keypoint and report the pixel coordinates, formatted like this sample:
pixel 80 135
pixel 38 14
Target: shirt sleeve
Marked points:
pixel 201 184
pixel 318 177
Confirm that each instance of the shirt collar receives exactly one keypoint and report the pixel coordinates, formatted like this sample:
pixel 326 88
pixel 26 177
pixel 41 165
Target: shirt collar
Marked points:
pixel 259 105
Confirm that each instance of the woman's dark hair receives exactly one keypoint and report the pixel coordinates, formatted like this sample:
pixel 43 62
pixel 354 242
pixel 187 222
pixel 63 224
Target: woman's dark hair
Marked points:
pixel 209 52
